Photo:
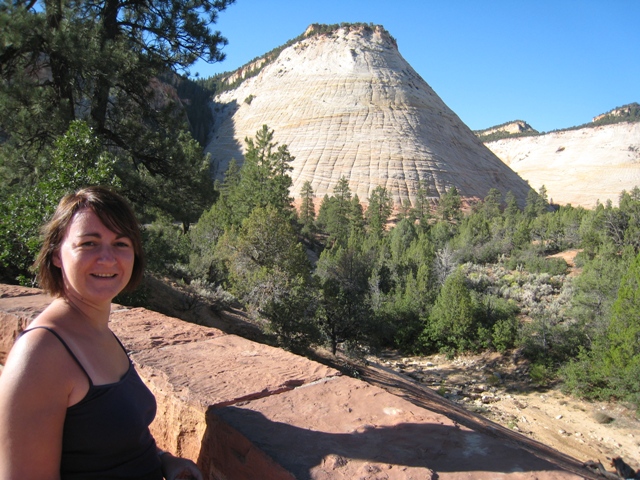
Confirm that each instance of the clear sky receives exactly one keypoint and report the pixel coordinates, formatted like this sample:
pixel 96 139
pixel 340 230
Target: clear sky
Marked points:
pixel 552 63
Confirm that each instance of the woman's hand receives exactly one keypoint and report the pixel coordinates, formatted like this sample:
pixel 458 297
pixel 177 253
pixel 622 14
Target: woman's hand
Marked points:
pixel 174 468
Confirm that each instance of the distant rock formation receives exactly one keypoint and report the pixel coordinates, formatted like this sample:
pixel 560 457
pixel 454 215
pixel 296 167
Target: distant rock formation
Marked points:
pixel 578 166
pixel 628 112
pixel 347 104
pixel 509 129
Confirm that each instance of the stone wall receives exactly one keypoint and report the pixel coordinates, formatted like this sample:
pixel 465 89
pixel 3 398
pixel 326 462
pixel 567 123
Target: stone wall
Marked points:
pixel 244 410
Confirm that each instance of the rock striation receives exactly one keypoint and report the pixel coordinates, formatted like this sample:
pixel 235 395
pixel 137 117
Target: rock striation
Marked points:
pixel 580 166
pixel 347 104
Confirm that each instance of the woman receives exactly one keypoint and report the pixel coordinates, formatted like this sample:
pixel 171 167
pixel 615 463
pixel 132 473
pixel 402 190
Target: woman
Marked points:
pixel 72 405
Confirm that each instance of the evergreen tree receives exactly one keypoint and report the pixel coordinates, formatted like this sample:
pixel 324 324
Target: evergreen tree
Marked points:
pixel 379 210
pixel 422 209
pixel 511 210
pixel 337 213
pixel 322 220
pixel 356 217
pixel 491 204
pixel 263 257
pixel 622 354
pixel 450 205
pixel 405 211
pixel 307 208
pixel 344 315
pixel 451 326
pixel 100 62
pixel 262 180
pixel 537 203
pixel 265 173
pixel 612 368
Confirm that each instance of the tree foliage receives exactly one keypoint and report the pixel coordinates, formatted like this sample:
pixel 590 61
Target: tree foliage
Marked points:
pixel 100 62
pixel 77 160
pixel 263 179
pixel 263 257
pixel 343 274
pixel 451 324
pixel 450 205
pixel 307 214
pixel 379 210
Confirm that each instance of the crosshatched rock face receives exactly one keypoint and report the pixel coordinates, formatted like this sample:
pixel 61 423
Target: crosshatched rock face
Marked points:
pixel 348 104
pixel 582 166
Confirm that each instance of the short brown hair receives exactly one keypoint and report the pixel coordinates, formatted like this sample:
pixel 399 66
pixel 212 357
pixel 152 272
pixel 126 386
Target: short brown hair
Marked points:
pixel 113 211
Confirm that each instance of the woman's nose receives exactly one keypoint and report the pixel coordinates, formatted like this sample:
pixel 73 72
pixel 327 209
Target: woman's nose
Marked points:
pixel 106 255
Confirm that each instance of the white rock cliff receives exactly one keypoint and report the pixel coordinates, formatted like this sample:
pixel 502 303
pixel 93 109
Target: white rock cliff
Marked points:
pixel 348 104
pixel 580 167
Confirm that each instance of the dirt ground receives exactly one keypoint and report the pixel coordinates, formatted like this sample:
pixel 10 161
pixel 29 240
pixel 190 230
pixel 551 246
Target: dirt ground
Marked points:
pixel 498 388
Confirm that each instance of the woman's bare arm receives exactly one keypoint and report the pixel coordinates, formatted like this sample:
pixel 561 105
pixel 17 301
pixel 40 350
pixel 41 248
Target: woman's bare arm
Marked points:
pixel 35 387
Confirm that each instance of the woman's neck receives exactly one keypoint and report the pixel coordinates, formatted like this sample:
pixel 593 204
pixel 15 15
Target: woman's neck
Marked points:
pixel 89 315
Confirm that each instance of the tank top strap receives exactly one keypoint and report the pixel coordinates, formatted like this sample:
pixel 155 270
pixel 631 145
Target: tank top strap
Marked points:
pixel 64 344
pixel 121 345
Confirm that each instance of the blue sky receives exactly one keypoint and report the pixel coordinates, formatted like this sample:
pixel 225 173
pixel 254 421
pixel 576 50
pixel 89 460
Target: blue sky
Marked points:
pixel 552 63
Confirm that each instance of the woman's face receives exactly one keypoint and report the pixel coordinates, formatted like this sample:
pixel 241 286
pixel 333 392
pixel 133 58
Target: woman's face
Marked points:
pixel 96 263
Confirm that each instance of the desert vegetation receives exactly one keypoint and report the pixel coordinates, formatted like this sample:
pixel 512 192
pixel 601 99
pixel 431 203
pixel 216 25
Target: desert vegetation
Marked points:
pixel 427 278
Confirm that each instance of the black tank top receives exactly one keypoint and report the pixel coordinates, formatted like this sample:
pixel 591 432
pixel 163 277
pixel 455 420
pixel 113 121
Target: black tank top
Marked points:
pixel 106 434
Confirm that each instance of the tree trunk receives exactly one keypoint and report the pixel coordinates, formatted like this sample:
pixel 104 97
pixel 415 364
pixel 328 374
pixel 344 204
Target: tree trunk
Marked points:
pixel 109 32
pixel 63 84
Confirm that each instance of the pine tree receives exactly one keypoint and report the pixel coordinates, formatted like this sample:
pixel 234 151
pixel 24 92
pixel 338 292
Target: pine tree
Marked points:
pixel 100 62
pixel 622 355
pixel 307 208
pixel 343 274
pixel 491 204
pixel 422 210
pixel 511 210
pixel 379 210
pixel 450 205
pixel 262 180
pixel 337 214
pixel 356 217
pixel 263 256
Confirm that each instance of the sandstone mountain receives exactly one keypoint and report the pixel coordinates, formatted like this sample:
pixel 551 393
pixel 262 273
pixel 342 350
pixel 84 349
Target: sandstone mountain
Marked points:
pixel 578 166
pixel 347 104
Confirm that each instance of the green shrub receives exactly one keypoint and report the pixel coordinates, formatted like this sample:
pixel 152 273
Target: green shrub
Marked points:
pixel 534 263
pixel 541 374
pixel 505 333
pixel 166 247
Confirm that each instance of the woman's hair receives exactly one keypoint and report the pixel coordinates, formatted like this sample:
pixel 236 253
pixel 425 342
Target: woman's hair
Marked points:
pixel 112 210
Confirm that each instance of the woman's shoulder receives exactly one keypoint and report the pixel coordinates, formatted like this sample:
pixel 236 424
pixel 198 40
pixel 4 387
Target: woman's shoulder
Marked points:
pixel 40 359
pixel 39 354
